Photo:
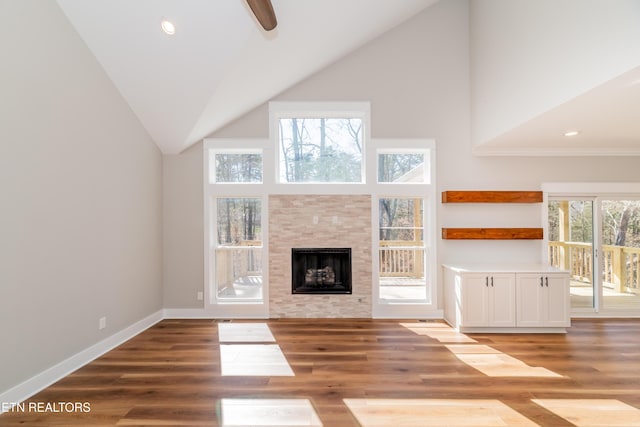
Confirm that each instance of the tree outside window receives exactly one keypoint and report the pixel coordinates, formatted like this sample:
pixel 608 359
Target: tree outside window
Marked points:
pixel 321 149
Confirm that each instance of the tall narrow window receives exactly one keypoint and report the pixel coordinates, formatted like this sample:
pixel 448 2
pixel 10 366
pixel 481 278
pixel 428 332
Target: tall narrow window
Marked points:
pixel 238 255
pixel 402 249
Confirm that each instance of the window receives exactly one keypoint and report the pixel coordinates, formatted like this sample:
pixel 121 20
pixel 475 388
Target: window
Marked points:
pixel 319 143
pixel 239 221
pixel 402 249
pixel 235 227
pixel 403 167
pixel 236 167
pixel 320 150
pixel 238 255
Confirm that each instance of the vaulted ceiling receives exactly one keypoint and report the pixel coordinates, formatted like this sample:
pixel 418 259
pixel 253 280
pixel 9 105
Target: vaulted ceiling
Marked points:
pixel 220 65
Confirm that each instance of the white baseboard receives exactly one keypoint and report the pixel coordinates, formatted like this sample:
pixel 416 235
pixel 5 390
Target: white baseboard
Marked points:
pixel 44 379
pixel 186 313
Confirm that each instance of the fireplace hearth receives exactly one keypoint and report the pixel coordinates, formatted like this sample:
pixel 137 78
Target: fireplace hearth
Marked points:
pixel 321 270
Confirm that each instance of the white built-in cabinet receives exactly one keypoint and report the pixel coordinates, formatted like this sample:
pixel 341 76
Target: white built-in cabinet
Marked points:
pixel 512 299
pixel 488 299
pixel 542 299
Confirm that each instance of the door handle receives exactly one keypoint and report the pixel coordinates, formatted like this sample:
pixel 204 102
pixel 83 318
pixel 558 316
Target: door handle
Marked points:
pixel 486 281
pixel 492 281
pixel 541 283
pixel 546 281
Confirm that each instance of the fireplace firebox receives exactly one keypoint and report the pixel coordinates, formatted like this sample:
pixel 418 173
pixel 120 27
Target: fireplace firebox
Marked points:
pixel 321 270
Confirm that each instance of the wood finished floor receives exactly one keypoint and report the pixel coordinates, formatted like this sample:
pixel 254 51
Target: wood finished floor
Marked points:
pixel 361 373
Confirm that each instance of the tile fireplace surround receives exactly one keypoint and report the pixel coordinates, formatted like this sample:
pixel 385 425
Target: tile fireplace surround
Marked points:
pixel 322 221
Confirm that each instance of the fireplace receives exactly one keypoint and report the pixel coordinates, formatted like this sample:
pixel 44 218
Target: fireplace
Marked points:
pixel 321 270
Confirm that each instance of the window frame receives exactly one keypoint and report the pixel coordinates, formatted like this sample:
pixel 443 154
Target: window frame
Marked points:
pixel 597 192
pixel 233 307
pixel 388 308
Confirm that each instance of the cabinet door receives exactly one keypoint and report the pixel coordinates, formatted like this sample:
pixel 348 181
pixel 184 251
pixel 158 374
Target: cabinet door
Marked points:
pixel 529 300
pixel 475 300
pixel 502 300
pixel 557 300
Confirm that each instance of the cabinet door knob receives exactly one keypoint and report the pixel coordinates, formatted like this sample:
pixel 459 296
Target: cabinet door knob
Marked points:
pixel 541 283
pixel 546 280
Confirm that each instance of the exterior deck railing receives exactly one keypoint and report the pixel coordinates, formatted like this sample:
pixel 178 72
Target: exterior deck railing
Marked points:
pixel 234 262
pixel 621 267
pixel 401 258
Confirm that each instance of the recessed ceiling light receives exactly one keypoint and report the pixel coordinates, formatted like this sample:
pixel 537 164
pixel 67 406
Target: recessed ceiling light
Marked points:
pixel 167 26
pixel 572 133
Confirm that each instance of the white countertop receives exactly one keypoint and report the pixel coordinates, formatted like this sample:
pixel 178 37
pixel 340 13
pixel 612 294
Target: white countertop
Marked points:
pixel 504 268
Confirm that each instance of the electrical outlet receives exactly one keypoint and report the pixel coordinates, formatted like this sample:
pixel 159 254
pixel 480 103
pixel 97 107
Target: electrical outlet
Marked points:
pixel 102 323
pixel 200 296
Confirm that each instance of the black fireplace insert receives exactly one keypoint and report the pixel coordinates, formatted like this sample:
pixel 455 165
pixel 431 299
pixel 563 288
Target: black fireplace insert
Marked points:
pixel 321 270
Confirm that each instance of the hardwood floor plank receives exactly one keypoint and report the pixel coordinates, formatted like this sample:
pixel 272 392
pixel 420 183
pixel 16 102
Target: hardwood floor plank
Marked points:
pixel 171 375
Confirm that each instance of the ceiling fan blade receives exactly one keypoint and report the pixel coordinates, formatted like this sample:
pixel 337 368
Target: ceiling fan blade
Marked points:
pixel 263 10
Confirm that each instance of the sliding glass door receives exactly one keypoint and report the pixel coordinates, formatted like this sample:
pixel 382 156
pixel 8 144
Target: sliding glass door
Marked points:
pixel 597 239
pixel 571 247
pixel 620 255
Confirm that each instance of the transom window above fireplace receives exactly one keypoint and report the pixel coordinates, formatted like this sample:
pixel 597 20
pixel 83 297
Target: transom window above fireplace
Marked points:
pixel 317 144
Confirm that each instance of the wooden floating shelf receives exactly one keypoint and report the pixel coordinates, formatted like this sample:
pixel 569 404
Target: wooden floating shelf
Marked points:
pixel 491 196
pixel 492 233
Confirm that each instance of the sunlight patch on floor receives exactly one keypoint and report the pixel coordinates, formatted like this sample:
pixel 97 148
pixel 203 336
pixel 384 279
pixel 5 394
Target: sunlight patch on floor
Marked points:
pixel 244 332
pixel 485 359
pixel 593 412
pixel 268 412
pixel 438 331
pixel 253 360
pixel 494 363
pixel 435 412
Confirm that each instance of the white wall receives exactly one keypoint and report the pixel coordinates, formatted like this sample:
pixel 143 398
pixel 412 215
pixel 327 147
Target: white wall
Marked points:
pixel 80 211
pixel 417 78
pixel 531 56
